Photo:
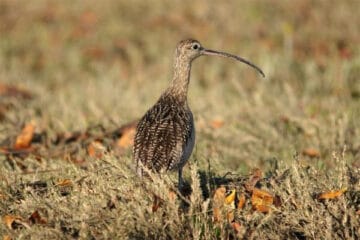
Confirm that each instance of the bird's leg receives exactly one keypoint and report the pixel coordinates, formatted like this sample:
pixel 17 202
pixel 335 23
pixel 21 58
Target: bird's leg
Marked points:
pixel 180 182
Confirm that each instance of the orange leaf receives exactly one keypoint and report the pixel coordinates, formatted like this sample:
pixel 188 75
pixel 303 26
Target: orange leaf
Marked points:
pixel 217 123
pixel 311 152
pixel 24 139
pixel 230 216
pixel 88 18
pixel 241 202
pixel 127 138
pixel 172 196
pixel 223 203
pixel 96 149
pixel 236 226
pixel 64 183
pixel 13 221
pixel 332 194
pixel 216 214
pixel 6 237
pixel 219 196
pixel 36 218
pixel 261 200
pixel 218 202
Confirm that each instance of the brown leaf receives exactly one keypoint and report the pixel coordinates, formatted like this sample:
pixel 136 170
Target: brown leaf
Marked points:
pixel 261 200
pixel 256 176
pixel 332 194
pixel 2 196
pixel 14 222
pixel 241 202
pixel 94 52
pixel 35 218
pixel 64 183
pixel 311 152
pixel 277 201
pixel 158 202
pixel 23 140
pixel 13 91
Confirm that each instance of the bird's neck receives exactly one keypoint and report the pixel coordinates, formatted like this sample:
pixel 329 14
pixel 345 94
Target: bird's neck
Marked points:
pixel 179 85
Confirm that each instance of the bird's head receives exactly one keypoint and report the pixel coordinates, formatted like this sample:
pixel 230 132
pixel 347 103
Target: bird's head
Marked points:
pixel 190 49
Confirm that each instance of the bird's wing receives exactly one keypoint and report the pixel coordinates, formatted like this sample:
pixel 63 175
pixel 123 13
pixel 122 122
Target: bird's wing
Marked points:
pixel 161 137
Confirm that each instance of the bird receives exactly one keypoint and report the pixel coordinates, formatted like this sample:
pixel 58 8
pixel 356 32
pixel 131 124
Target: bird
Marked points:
pixel 165 135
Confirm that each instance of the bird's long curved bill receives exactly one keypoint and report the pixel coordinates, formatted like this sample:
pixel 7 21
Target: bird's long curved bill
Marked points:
pixel 228 55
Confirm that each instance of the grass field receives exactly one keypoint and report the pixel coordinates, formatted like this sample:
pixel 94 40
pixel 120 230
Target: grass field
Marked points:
pixel 77 71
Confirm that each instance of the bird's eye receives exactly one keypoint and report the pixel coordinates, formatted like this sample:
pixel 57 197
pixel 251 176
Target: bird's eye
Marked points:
pixel 195 46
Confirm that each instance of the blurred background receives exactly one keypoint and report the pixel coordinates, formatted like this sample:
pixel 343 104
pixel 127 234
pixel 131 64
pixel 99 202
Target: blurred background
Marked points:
pixel 106 62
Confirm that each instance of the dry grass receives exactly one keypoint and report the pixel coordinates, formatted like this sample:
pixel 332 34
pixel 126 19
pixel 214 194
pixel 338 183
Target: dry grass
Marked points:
pixel 106 63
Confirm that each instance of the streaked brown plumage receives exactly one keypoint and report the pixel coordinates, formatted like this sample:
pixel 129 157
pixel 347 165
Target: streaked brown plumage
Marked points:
pixel 165 135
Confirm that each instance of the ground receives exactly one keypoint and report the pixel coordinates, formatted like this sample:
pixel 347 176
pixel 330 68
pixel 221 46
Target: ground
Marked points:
pixel 275 157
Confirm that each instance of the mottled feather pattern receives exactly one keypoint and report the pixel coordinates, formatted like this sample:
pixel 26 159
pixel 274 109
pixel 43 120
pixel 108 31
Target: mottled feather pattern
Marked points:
pixel 163 134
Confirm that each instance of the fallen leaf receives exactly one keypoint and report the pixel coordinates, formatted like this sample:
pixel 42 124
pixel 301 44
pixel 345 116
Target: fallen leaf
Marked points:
pixel 2 196
pixel 6 237
pixel 94 52
pixel 88 18
pixel 241 202
pixel 218 202
pixel 253 180
pixel 230 216
pixel 14 91
pixel 236 226
pixel 261 200
pixel 14 222
pixel 216 214
pixel 35 218
pixel 332 194
pixel 230 198
pixel 96 149
pixel 172 196
pixel 217 123
pixel 358 212
pixel 64 183
pixel 277 201
pixel 23 140
pixel 223 203
pixel 311 152
pixel 158 202
pixel 127 138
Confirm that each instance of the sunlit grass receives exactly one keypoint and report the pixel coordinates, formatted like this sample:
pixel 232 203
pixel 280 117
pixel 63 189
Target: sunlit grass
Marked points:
pixel 107 63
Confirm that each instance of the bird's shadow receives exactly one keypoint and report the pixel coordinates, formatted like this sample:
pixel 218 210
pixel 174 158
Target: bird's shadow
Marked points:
pixel 209 182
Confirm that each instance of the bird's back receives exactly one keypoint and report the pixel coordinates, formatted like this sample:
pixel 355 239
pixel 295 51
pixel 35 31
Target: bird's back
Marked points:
pixel 165 136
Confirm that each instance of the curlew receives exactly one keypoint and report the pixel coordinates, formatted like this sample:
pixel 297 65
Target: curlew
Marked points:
pixel 165 135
